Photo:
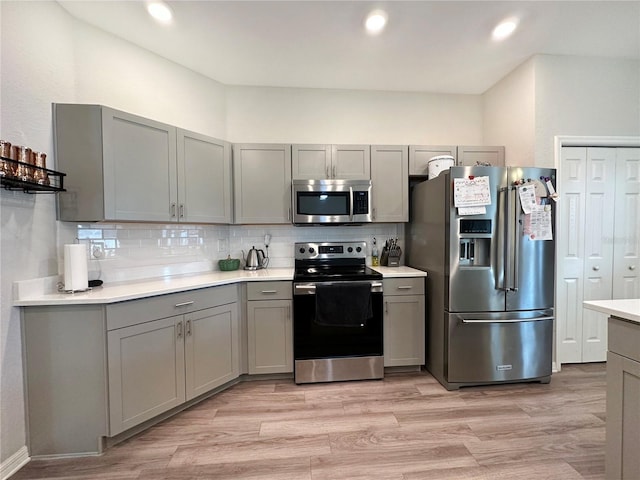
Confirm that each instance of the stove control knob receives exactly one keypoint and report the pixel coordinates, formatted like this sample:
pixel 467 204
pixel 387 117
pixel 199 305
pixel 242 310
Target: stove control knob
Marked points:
pixel 311 250
pixel 358 249
pixel 301 250
pixel 350 249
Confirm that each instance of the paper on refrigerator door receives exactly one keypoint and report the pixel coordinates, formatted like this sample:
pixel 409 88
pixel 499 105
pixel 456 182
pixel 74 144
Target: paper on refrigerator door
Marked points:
pixel 471 192
pixel 537 224
pixel 527 193
pixel 464 211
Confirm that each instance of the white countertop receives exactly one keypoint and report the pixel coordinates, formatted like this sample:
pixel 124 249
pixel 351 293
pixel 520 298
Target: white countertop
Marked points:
pixel 26 295
pixel 401 271
pixel 629 309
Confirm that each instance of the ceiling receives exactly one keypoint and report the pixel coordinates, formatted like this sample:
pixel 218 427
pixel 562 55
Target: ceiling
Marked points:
pixel 428 46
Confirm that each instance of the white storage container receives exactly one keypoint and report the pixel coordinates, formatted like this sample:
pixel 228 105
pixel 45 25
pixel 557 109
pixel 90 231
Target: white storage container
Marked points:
pixel 439 164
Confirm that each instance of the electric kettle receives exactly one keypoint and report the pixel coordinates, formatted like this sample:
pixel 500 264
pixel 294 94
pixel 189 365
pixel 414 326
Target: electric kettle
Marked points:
pixel 254 260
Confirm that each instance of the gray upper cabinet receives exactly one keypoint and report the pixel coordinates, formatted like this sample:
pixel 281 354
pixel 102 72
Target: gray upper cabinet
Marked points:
pixel 390 183
pixel 262 183
pixel 419 156
pixel 204 179
pixel 124 167
pixel 469 156
pixel 331 161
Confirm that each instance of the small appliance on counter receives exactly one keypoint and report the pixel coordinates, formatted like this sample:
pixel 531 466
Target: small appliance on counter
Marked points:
pixel 255 259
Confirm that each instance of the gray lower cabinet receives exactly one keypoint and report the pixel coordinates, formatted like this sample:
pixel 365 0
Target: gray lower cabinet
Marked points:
pixel 404 322
pixel 94 371
pixel 262 183
pixel 623 400
pixel 121 166
pixel 390 183
pixel 158 365
pixel 269 327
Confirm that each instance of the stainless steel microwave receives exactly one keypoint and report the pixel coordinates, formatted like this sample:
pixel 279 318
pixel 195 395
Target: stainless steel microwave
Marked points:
pixel 331 201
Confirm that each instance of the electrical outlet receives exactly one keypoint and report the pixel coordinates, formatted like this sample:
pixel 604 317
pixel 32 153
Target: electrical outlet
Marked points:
pixel 223 245
pixel 97 251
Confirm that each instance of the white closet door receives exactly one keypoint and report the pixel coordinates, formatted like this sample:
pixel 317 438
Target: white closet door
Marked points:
pixel 570 254
pixel 626 267
pixel 598 248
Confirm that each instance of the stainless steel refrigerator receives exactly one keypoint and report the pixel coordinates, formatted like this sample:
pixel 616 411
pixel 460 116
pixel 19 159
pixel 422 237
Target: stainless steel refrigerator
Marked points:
pixel 490 273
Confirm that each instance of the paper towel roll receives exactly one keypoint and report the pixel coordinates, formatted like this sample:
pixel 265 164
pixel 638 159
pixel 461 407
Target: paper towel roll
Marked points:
pixel 75 267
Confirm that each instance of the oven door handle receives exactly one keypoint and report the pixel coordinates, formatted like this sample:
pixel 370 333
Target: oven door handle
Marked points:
pixel 310 288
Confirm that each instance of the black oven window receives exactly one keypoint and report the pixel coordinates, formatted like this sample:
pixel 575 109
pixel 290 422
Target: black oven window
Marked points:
pixel 329 203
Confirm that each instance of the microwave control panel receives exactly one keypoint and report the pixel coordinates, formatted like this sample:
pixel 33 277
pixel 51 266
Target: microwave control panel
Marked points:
pixel 360 202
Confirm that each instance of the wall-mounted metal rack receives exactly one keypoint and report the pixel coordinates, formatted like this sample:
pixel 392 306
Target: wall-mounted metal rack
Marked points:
pixel 15 175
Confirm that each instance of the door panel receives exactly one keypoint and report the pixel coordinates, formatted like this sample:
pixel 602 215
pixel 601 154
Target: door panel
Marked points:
pixel 626 256
pixel 534 259
pixel 493 351
pixel 474 284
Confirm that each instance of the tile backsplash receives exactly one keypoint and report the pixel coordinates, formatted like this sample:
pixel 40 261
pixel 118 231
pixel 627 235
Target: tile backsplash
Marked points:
pixel 131 251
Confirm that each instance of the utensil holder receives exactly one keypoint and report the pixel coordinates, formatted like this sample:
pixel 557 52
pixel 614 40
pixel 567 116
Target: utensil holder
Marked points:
pixel 391 258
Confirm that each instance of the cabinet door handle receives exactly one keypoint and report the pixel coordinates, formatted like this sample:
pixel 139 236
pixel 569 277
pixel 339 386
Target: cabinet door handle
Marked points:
pixel 184 304
pixel 374 213
pixel 288 312
pixel 181 210
pixel 180 329
pixel 188 328
pixel 327 172
pixel 334 171
pixel 172 210
pixel 386 307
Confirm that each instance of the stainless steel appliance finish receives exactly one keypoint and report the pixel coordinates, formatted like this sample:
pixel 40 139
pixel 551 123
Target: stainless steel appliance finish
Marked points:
pixel 337 350
pixel 490 286
pixel 331 201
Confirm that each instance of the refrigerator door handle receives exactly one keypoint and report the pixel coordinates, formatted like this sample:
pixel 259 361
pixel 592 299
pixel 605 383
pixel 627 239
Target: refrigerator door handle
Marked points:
pixel 516 241
pixel 503 242
pixel 509 320
pixel 505 317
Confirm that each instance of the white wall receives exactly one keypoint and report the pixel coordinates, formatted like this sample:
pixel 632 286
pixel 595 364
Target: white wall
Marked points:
pixel 295 115
pixel 584 96
pixel 509 115
pixel 36 68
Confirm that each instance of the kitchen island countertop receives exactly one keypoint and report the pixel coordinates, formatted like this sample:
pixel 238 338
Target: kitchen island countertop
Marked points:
pixel 27 296
pixel 627 309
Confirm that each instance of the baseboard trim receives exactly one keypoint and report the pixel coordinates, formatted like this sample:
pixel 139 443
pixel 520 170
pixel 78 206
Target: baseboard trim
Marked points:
pixel 14 463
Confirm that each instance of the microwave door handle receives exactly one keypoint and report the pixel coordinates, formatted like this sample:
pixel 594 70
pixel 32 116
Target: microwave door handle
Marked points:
pixel 351 203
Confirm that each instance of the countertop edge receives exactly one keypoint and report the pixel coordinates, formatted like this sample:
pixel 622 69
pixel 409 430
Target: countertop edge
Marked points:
pixel 125 291
pixel 627 309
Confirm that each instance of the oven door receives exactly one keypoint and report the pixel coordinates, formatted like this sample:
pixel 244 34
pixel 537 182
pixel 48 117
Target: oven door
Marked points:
pixel 317 339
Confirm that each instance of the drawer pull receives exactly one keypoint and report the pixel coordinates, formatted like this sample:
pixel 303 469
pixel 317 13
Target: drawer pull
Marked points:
pixel 269 291
pixel 184 304
pixel 405 287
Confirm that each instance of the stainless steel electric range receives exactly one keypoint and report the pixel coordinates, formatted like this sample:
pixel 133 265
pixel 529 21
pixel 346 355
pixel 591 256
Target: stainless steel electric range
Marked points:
pixel 337 313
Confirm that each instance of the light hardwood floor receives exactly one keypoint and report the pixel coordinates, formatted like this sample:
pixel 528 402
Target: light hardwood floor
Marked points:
pixel 405 427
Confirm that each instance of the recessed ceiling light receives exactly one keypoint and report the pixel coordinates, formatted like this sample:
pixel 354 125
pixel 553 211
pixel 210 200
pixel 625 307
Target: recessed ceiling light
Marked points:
pixel 160 11
pixel 505 29
pixel 375 22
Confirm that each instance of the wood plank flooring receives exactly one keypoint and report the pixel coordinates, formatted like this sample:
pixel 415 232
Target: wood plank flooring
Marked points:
pixel 405 427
